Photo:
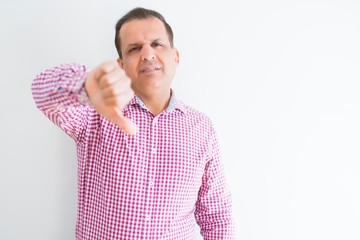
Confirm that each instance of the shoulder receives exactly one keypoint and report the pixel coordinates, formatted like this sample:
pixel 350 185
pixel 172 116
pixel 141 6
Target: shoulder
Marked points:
pixel 193 114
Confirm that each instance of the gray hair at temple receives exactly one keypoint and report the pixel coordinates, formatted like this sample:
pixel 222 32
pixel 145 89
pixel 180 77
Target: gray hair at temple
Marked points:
pixel 140 13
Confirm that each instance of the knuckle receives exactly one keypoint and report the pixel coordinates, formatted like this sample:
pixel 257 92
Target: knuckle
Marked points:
pixel 128 96
pixel 108 101
pixel 108 64
pixel 127 83
pixel 111 91
pixel 105 80
pixel 130 93
pixel 106 67
pixel 119 102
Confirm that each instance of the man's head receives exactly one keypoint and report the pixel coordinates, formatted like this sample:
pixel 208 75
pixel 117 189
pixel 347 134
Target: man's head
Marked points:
pixel 146 52
pixel 137 14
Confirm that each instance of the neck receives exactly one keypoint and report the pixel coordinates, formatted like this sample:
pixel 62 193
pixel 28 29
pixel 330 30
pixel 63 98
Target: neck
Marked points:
pixel 156 103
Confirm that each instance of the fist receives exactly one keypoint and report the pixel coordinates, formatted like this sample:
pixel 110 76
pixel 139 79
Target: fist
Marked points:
pixel 109 90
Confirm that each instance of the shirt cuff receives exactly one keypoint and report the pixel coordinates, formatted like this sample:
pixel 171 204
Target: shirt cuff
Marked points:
pixel 73 81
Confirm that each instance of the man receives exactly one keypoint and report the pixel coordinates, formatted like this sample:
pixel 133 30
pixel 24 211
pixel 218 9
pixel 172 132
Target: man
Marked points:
pixel 149 165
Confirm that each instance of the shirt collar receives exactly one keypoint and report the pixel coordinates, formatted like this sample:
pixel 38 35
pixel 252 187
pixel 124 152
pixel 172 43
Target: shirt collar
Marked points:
pixel 174 103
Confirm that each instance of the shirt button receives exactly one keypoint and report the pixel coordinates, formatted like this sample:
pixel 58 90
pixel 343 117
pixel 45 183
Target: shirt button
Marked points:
pixel 151 183
pixel 153 151
pixel 148 217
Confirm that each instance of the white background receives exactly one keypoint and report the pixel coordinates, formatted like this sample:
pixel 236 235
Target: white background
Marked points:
pixel 280 79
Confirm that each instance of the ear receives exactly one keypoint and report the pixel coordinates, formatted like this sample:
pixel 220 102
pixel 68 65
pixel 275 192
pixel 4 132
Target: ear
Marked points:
pixel 120 62
pixel 176 55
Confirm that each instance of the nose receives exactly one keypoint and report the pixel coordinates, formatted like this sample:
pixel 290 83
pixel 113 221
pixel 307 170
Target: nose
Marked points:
pixel 147 53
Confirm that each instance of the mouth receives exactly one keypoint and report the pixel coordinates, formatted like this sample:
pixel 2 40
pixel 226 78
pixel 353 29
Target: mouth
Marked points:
pixel 149 69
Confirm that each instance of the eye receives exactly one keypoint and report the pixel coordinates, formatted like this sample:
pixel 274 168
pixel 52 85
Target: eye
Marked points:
pixel 156 44
pixel 134 49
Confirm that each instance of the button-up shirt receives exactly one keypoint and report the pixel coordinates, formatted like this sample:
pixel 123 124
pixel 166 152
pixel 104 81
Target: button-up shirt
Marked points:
pixel 152 185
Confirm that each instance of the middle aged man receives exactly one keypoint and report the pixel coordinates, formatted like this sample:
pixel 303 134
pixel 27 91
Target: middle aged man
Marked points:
pixel 147 162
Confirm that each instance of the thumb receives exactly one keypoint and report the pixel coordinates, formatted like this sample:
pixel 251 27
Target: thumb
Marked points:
pixel 125 124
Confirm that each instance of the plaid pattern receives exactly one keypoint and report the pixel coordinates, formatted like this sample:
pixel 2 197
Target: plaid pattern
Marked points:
pixel 153 185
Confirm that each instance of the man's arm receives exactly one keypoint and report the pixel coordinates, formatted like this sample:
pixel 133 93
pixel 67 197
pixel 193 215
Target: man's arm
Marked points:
pixel 69 93
pixel 213 211
pixel 59 93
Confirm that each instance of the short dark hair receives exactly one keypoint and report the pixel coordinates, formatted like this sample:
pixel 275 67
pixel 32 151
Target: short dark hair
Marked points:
pixel 140 13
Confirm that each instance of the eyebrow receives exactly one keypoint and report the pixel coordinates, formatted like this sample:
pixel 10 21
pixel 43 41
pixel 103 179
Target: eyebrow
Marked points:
pixel 138 43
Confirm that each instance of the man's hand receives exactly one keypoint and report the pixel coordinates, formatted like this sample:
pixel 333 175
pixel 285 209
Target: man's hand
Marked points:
pixel 109 90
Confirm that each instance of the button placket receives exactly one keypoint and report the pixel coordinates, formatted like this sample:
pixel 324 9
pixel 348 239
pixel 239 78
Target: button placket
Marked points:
pixel 153 150
pixel 151 175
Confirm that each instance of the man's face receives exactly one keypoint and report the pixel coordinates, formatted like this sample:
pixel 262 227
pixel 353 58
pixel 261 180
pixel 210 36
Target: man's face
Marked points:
pixel 148 58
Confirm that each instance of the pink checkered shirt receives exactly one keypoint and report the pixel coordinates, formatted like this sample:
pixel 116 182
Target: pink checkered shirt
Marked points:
pixel 153 185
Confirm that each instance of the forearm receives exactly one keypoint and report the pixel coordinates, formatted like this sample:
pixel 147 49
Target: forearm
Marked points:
pixel 213 211
pixel 214 214
pixel 59 93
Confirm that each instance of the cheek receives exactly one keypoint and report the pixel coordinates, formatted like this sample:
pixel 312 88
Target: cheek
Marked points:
pixel 167 60
pixel 171 63
pixel 129 67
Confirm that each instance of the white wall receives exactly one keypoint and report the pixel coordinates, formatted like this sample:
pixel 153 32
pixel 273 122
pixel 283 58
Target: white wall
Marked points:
pixel 280 79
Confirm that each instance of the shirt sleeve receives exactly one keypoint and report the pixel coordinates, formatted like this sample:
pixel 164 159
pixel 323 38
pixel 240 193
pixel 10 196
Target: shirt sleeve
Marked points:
pixel 60 94
pixel 213 211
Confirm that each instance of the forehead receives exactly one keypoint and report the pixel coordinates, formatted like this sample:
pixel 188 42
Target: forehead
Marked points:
pixel 139 30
